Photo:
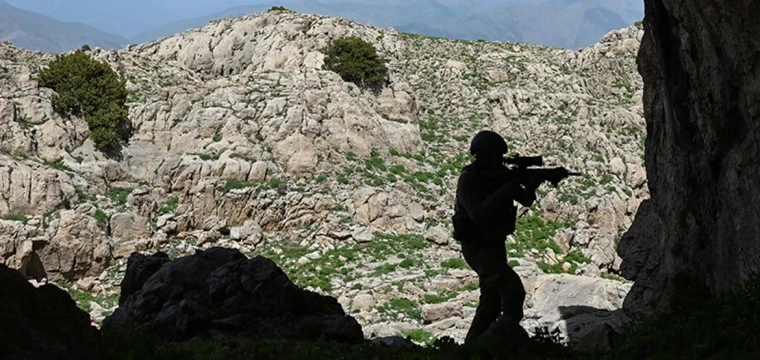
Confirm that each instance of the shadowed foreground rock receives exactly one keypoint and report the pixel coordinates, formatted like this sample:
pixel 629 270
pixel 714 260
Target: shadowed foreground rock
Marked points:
pixel 220 291
pixel 698 233
pixel 42 323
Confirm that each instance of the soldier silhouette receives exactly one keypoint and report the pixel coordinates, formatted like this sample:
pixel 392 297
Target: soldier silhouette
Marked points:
pixel 484 214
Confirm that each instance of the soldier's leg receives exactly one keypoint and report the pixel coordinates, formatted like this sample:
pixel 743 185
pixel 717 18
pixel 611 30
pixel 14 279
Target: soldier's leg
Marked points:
pixel 512 294
pixel 481 260
pixel 496 272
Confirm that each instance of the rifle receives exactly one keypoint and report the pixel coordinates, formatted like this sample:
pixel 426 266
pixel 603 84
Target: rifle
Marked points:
pixel 522 164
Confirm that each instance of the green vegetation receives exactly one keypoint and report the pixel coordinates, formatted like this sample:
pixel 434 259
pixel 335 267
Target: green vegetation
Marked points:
pixel 91 89
pixel 17 217
pixel 273 183
pixel 169 206
pixel 438 298
pixel 420 336
pixel 234 185
pixel 58 165
pixel 409 308
pixel 356 61
pixel 101 217
pixel 279 8
pixel 578 257
pixel 83 299
pixel 119 195
pixel 344 261
pixel 207 157
pixel 454 263
pixel 533 232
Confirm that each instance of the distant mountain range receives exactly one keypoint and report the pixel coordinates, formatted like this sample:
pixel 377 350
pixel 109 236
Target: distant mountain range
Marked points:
pixel 558 23
pixel 34 31
pixel 176 27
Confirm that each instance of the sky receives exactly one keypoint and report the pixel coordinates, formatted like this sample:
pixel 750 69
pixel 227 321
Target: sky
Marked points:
pixel 128 17
pixel 564 23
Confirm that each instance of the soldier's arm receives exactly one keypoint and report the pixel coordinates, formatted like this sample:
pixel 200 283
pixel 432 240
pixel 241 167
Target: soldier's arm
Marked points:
pixel 481 207
pixel 525 195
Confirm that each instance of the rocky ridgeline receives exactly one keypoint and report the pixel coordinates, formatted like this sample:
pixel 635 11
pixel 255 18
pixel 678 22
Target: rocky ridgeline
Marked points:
pixel 242 141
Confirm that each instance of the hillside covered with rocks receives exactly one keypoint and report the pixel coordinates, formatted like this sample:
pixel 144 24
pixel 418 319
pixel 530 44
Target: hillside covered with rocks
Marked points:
pixel 241 140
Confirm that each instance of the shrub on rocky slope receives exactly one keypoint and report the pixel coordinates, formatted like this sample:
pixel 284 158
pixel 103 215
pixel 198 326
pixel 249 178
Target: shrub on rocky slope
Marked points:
pixel 88 88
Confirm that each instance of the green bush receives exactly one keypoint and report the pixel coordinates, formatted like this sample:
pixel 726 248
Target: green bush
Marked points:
pixel 279 8
pixel 89 88
pixel 356 61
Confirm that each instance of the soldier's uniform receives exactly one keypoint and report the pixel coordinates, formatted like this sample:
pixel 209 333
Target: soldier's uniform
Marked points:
pixel 482 219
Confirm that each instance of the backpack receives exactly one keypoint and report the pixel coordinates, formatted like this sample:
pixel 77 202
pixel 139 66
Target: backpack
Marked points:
pixel 465 230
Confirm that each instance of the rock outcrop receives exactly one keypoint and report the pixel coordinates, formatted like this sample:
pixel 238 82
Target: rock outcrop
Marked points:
pixel 221 292
pixel 43 322
pixel 698 232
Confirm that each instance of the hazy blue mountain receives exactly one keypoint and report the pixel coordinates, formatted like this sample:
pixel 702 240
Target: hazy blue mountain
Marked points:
pixel 559 23
pixel 34 31
pixel 128 17
pixel 176 27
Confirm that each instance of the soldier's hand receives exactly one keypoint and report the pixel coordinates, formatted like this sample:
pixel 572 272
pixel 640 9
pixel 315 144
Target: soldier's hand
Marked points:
pixel 534 182
pixel 562 172
pixel 558 175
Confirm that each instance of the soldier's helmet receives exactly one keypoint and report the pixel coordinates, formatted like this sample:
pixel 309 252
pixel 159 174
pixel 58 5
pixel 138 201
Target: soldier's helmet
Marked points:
pixel 488 144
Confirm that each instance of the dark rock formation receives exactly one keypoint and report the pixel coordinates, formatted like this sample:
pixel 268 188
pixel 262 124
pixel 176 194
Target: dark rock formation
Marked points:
pixel 42 323
pixel 700 62
pixel 221 292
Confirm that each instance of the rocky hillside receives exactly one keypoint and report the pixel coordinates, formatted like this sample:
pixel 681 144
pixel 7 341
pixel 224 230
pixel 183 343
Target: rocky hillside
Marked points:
pixel 242 140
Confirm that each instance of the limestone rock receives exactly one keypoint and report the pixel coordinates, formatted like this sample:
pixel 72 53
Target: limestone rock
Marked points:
pixel 79 248
pixel 438 235
pixel 699 229
pixel 586 310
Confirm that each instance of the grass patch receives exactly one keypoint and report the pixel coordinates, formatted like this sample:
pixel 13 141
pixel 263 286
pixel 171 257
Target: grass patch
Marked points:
pixel 577 256
pixel 17 217
pixel 119 195
pixel 100 216
pixel 169 206
pixel 420 336
pixel 454 263
pixel 83 299
pixel 58 165
pixel 235 185
pixel 438 298
pixel 408 308
pixel 533 232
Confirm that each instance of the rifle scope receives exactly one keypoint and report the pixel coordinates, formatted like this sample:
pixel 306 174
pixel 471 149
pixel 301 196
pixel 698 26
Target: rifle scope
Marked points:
pixel 525 161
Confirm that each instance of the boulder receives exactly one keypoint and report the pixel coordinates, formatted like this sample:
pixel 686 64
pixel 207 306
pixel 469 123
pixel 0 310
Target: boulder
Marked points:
pixel 43 323
pixel 220 291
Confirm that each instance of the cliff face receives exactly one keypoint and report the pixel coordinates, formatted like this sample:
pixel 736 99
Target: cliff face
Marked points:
pixel 699 63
